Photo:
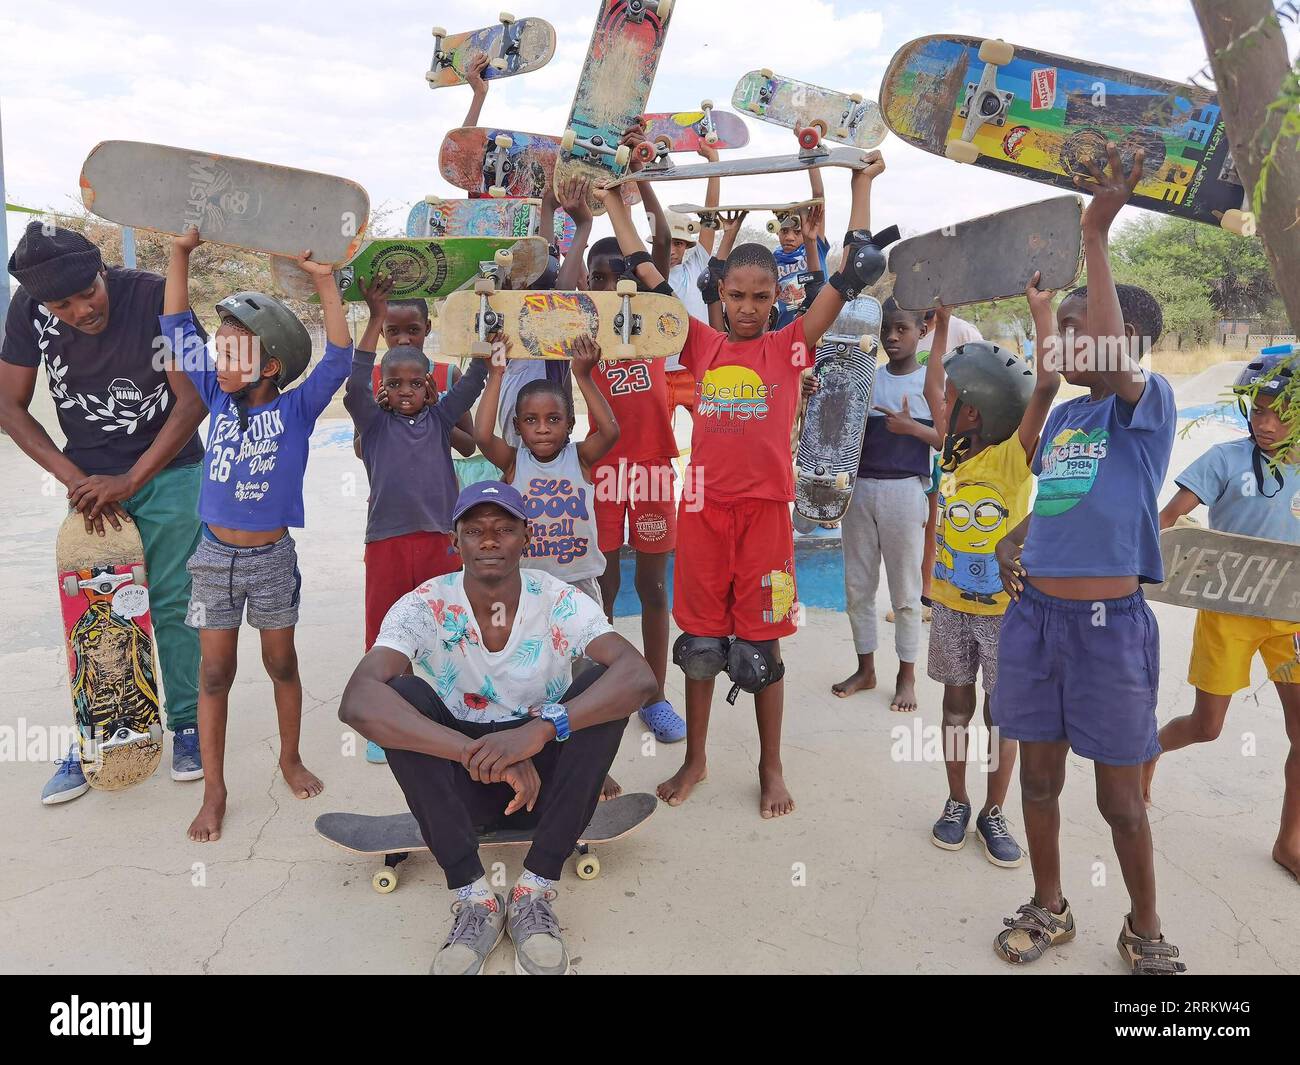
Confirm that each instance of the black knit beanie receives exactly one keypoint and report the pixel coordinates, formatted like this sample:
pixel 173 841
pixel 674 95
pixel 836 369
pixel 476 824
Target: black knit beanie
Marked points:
pixel 54 264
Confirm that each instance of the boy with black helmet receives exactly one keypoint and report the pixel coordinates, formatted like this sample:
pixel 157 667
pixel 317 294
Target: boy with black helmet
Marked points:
pixel 251 496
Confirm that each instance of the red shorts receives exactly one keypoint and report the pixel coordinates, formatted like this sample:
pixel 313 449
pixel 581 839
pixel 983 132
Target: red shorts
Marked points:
pixel 398 565
pixel 681 390
pixel 734 570
pixel 636 497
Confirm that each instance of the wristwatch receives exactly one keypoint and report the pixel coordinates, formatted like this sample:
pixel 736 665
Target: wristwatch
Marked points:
pixel 558 715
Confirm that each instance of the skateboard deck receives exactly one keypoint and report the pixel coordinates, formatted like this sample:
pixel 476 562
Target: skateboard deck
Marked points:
pixel 849 119
pixel 814 159
pixel 713 217
pixel 1232 574
pixel 1042 117
pixel 420 268
pixel 991 257
pixel 397 836
pixel 260 207
pixel 612 89
pixel 541 325
pixel 835 421
pixel 686 131
pixel 516 46
pixel 479 159
pixel 108 633
pixel 434 217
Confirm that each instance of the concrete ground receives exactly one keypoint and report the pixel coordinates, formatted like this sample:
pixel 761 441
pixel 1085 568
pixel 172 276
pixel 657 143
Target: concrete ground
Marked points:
pixel 848 883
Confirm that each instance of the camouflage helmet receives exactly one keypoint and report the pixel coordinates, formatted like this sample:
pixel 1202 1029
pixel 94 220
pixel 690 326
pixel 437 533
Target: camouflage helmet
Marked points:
pixel 277 328
pixel 995 382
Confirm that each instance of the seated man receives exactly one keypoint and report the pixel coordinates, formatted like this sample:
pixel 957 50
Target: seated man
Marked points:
pixel 497 733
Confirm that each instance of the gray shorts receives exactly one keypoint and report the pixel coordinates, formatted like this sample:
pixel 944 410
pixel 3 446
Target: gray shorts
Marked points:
pixel 224 578
pixel 962 643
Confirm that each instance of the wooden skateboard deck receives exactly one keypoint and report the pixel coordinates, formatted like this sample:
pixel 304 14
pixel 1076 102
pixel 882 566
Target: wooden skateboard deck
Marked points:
pixel 688 130
pixel 516 46
pixel 435 218
pixel 541 325
pixel 612 89
pixel 815 159
pixel 1041 117
pixel 991 257
pixel 421 268
pixel 108 634
pixel 713 217
pixel 849 119
pixel 260 207
pixel 835 421
pixel 396 836
pixel 1228 573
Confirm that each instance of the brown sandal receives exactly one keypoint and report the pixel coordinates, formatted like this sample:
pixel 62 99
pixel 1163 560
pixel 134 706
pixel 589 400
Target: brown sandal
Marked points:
pixel 1032 931
pixel 1148 957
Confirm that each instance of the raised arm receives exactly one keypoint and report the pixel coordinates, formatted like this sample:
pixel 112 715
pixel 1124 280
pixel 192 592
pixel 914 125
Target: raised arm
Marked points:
pixel 712 195
pixel 573 194
pixel 376 294
pixel 936 381
pixel 494 449
pixel 629 241
pixel 1047 380
pixel 474 77
pixel 585 354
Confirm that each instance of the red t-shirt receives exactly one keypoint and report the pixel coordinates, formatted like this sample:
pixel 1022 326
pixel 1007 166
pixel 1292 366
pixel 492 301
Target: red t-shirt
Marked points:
pixel 747 396
pixel 440 371
pixel 637 391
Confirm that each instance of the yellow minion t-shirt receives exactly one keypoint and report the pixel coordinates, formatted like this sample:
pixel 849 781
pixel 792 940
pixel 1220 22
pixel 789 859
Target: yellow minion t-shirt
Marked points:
pixel 980 501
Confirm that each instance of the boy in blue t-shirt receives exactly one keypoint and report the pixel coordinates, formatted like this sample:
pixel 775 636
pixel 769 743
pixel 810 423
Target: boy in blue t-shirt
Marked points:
pixel 1252 488
pixel 250 497
pixel 1079 651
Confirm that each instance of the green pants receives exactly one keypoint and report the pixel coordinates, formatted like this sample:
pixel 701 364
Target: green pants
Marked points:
pixel 166 511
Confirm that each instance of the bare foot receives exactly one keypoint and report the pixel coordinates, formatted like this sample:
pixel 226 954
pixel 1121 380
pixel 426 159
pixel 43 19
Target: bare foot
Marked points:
pixel 858 682
pixel 611 789
pixel 301 780
pixel 1288 860
pixel 904 701
pixel 1148 774
pixel 774 799
pixel 678 787
pixel 206 827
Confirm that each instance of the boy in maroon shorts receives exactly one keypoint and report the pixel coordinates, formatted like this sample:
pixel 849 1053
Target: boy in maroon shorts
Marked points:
pixel 734 589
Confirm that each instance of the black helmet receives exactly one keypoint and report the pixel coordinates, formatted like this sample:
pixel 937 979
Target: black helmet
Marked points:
pixel 277 328
pixel 1265 375
pixel 994 381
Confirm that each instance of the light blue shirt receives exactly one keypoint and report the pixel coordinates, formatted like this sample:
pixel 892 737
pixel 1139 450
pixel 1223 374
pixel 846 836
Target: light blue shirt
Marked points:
pixel 1224 480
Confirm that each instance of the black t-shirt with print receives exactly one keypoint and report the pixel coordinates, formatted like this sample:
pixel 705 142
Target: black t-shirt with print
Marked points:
pixel 111 396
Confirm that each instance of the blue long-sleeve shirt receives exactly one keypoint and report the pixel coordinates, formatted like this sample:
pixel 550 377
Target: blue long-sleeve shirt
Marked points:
pixel 253 479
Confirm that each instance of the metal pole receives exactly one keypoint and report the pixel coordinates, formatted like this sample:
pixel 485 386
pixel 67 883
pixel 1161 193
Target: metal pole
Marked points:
pixel 128 247
pixel 4 234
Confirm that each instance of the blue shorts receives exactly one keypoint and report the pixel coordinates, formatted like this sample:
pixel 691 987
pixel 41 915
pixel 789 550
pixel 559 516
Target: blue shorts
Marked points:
pixel 1083 671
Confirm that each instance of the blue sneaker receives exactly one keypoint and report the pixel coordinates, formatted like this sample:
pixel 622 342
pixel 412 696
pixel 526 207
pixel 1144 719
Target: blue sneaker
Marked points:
pixel 375 754
pixel 661 719
pixel 949 831
pixel 68 781
pixel 999 846
pixel 187 762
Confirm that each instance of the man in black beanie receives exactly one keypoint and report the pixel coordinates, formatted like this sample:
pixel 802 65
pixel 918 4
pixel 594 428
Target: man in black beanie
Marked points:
pixel 131 449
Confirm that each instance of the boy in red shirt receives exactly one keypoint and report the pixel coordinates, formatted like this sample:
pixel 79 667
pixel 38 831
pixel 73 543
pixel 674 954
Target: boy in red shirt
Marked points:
pixel 734 588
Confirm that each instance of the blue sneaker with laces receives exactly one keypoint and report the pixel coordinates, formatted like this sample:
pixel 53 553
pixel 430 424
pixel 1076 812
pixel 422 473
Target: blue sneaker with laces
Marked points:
pixel 68 781
pixel 949 831
pixel 999 846
pixel 187 762
pixel 375 754
pixel 661 719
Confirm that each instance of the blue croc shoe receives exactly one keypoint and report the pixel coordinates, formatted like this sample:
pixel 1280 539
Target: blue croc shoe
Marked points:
pixel 999 846
pixel 187 762
pixel 661 719
pixel 68 781
pixel 375 754
pixel 949 831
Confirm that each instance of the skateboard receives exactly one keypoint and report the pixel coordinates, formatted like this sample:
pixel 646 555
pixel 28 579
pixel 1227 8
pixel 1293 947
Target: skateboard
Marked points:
pixel 835 421
pixel 612 90
pixel 516 46
pixel 435 218
pixel 808 159
pixel 108 632
pixel 260 207
pixel 687 131
pixel 485 160
pixel 991 257
pixel 421 268
pixel 1042 117
pixel 846 118
pixel 714 217
pixel 1232 574
pixel 627 324
pixel 397 836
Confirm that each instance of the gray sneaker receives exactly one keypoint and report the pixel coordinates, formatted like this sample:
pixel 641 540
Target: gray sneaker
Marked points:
pixel 474 934
pixel 539 950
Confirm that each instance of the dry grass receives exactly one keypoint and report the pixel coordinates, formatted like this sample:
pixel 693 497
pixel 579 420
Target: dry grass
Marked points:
pixel 1188 361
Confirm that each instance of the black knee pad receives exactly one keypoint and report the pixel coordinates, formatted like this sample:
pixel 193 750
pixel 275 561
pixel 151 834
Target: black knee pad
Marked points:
pixel 700 657
pixel 752 667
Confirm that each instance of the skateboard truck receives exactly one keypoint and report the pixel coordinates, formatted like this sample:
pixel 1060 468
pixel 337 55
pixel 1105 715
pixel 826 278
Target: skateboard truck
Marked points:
pixel 626 323
pixel 766 91
pixel 489 321
pixel 510 37
pixel 638 9
pixel 851 117
pixel 596 145
pixel 497 165
pixel 705 127
pixel 984 103
pixel 440 58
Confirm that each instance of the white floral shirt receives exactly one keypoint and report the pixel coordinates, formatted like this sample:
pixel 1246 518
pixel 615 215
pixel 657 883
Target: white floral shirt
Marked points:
pixel 435 627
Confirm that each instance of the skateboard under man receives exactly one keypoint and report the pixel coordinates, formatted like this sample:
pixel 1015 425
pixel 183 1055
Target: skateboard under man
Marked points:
pixel 1043 117
pixel 991 257
pixel 260 207
pixel 688 131
pixel 108 633
pixel 846 118
pixel 816 158
pixel 787 214
pixel 1229 573
pixel 612 89
pixel 516 46
pixel 835 420
pixel 397 836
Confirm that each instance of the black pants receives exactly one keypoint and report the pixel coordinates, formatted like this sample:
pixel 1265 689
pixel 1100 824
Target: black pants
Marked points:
pixel 451 807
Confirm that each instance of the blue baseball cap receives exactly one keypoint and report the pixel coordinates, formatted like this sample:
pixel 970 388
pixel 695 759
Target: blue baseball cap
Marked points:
pixel 497 492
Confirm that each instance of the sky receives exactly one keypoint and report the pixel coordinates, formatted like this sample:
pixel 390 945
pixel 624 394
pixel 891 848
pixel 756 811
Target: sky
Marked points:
pixel 339 87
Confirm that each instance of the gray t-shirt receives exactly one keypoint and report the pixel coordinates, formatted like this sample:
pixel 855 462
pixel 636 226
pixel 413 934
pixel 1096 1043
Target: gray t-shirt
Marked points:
pixel 1224 480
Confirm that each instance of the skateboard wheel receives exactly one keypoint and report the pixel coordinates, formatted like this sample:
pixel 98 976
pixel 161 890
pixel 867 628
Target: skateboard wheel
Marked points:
pixel 626 287
pixel 506 18
pixel 755 108
pixel 841 481
pixel 710 138
pixel 664 143
pixel 484 286
pixel 622 156
pixel 961 151
pixel 767 73
pixel 1240 222
pixel 479 349
pixel 663 9
pixel 820 126
pixel 137 573
pixel 502 141
pixel 774 226
pixel 808 137
pixel 498 64
pixel 568 140
pixel 384 881
pixel 433 201
pixel 70 586
pixel 438 31
pixel 999 53
pixel 496 192
pixel 645 151
pixel 587 867
pixel 856 97
pixel 706 105
pixel 504 259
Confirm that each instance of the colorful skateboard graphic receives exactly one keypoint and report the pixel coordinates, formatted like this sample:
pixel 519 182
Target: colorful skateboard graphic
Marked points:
pixel 436 218
pixel 686 131
pixel 847 118
pixel 516 46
